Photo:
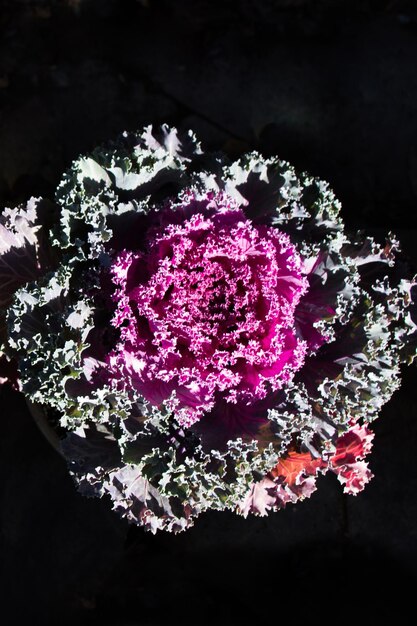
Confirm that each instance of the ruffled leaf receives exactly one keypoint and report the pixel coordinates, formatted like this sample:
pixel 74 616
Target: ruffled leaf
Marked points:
pixel 25 253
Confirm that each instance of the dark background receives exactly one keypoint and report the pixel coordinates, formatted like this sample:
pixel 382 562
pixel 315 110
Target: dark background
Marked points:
pixel 330 86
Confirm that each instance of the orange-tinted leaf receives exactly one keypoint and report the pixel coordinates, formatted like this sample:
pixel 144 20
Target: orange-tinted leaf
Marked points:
pixel 293 464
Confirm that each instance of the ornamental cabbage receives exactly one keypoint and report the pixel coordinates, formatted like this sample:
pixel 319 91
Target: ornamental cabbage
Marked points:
pixel 202 334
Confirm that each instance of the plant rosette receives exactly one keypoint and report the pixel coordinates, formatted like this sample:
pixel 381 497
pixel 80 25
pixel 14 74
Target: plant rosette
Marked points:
pixel 202 334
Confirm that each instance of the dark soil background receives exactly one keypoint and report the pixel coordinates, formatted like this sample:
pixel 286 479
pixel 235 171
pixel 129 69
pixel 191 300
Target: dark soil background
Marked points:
pixel 329 85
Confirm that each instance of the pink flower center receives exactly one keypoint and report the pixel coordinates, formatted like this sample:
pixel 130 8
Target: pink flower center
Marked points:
pixel 208 311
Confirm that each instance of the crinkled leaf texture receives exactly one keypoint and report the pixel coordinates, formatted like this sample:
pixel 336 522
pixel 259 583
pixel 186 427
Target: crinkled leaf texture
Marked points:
pixel 80 337
pixel 25 254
